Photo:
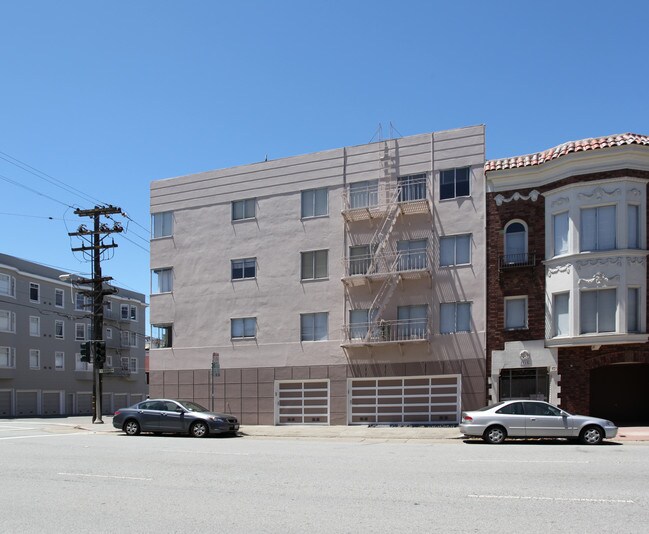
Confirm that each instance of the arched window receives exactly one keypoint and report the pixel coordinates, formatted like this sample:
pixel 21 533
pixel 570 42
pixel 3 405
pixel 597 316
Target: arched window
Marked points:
pixel 515 243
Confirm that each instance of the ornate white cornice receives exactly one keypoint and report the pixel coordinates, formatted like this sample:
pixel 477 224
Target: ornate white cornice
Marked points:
pixel 560 202
pixel 599 280
pixel 559 269
pixel 635 192
pixel 616 260
pixel 635 259
pixel 599 193
pixel 533 196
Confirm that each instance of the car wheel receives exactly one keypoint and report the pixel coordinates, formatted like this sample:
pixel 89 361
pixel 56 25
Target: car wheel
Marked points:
pixel 591 435
pixel 132 427
pixel 494 435
pixel 199 429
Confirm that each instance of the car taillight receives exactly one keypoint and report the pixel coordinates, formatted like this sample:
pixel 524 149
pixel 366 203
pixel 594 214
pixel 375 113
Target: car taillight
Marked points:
pixel 117 412
pixel 467 418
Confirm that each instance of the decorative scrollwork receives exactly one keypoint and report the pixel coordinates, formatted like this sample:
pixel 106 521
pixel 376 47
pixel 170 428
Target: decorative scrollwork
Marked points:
pixel 599 193
pixel 599 280
pixel 533 196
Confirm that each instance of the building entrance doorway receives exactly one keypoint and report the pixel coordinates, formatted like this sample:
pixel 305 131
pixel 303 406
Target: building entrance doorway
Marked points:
pixel 620 393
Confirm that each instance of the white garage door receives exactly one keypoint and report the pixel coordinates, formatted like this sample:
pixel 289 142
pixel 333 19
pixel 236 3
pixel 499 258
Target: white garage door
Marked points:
pixel 26 403
pixel 51 403
pixel 302 402
pixel 84 403
pixel 5 403
pixel 407 400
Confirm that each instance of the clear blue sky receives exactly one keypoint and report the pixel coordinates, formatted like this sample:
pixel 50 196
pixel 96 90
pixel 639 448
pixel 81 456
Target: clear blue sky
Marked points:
pixel 108 96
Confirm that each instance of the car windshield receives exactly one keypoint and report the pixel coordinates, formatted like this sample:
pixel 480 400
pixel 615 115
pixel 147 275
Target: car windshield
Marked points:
pixel 193 407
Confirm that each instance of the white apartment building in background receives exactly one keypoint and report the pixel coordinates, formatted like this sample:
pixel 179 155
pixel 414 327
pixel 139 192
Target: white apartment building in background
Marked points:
pixel 341 287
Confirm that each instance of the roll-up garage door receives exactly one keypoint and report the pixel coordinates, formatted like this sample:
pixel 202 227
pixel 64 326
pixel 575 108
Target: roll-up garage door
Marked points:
pixel 121 400
pixel 404 400
pixel 26 403
pixel 302 402
pixel 84 403
pixel 107 404
pixel 5 403
pixel 51 403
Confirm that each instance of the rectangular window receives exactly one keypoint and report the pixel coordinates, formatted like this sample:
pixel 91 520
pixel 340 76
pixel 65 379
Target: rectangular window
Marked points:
pixel 109 333
pixel 7 321
pixel 162 224
pixel 133 314
pixel 79 365
pixel 412 255
pixel 245 327
pixel 34 292
pixel 412 322
pixel 359 322
pixel 162 280
pixel 315 264
pixel 314 326
pixel 59 327
pixel 123 361
pixel 81 302
pixel 364 194
pixel 161 336
pixel 79 332
pixel 359 259
pixel 34 326
pixel 59 298
pixel 515 313
pixel 124 312
pixel 315 203
pixel 632 310
pixel 34 359
pixel 454 183
pixel 633 226
pixel 133 365
pixel 455 250
pixel 560 229
pixel 412 187
pixel 597 228
pixel 244 209
pixel 597 309
pixel 244 269
pixel 7 285
pixel 59 361
pixel 129 339
pixel 455 317
pixel 8 357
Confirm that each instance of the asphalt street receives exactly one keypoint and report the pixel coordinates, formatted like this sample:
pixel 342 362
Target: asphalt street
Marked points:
pixel 74 477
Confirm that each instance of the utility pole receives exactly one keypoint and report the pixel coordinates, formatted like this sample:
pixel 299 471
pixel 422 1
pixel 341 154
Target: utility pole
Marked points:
pixel 94 248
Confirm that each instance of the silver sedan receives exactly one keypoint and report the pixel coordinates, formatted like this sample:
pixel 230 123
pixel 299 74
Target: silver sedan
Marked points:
pixel 533 419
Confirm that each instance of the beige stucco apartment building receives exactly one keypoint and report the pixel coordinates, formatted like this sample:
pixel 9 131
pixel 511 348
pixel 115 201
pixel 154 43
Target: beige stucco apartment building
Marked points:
pixel 341 287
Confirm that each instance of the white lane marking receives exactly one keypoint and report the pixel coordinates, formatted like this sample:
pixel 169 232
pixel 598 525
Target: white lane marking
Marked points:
pixel 45 436
pixel 207 452
pixel 10 428
pixel 558 499
pixel 101 476
pixel 505 461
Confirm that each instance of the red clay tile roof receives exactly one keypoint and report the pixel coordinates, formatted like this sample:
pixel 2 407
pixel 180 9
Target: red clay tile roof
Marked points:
pixel 566 148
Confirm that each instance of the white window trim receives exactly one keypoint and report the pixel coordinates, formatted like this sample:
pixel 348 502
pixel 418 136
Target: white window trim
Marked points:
pixel 243 201
pixel 38 324
pixel 38 357
pixel 61 292
pixel 62 323
pixel 173 224
pixel 38 289
pixel 154 272
pixel 62 368
pixel 455 237
pixel 12 322
pixel 313 314
pixel 12 285
pixel 302 217
pixel 243 277
pixel 244 336
pixel 76 331
pixel 314 277
pixel 11 352
pixel 526 325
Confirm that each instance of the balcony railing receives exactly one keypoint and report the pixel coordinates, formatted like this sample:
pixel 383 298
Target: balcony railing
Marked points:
pixel 411 261
pixel 511 261
pixel 396 331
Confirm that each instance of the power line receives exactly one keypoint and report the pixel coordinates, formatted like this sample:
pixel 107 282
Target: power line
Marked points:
pixel 6 179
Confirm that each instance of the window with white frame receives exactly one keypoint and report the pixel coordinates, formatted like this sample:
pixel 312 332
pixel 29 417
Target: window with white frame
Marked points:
pixel 7 357
pixel 314 264
pixel 89 335
pixel 7 285
pixel 81 302
pixel 133 366
pixel 34 326
pixel 364 194
pixel 161 336
pixel 59 361
pixel 455 317
pixel 315 203
pixel 162 224
pixel 561 314
pixel 59 298
pixel 412 255
pixel 455 250
pixel 360 259
pixel 597 228
pixel 560 230
pixel 244 209
pixel 129 339
pixel 133 313
pixel 34 292
pixel 244 327
pixel 79 332
pixel 59 329
pixel 633 310
pixel 243 269
pixel 34 359
pixel 359 322
pixel 124 312
pixel 633 226
pixel 162 280
pixel 7 321
pixel 454 183
pixel 79 365
pixel 597 311
pixel 314 326
pixel 412 187
pixel 412 322
pixel 515 313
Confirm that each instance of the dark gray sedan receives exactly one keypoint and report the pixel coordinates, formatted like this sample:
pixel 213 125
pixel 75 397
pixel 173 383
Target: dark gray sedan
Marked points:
pixel 172 416
pixel 533 419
